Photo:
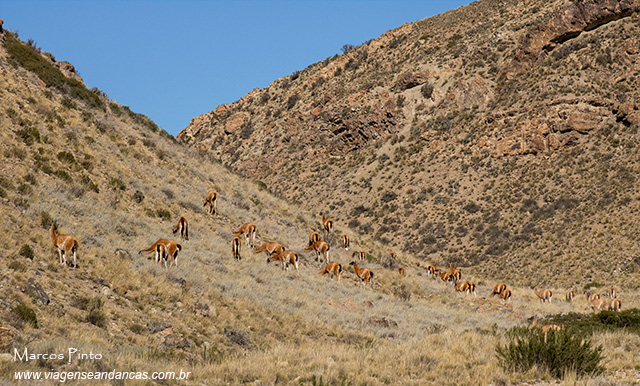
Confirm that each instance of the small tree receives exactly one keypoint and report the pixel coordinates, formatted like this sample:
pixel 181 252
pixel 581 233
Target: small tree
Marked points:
pixel 346 48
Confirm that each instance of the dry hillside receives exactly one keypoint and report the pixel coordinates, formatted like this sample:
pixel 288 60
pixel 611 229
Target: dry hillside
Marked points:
pixel 500 136
pixel 116 182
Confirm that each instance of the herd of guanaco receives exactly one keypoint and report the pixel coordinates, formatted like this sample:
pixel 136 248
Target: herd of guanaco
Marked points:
pixel 166 252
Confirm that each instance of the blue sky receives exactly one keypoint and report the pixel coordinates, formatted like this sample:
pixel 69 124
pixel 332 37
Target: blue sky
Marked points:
pixel 174 60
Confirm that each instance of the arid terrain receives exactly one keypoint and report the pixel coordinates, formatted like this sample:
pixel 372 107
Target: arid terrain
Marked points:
pixel 500 137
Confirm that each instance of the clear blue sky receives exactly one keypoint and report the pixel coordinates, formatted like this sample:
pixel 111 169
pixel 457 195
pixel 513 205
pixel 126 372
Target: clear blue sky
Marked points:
pixel 174 60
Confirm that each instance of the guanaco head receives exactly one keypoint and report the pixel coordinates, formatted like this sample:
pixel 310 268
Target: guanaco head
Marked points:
pixel 352 263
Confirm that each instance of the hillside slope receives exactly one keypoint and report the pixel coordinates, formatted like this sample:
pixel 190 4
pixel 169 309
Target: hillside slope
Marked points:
pixel 115 181
pixel 500 136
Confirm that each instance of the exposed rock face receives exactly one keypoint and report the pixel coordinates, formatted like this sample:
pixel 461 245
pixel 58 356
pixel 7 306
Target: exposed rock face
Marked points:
pixel 570 21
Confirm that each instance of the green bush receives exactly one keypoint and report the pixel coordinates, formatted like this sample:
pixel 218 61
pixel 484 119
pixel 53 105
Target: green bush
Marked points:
pixel 163 213
pixel 605 321
pixel 117 184
pixel 558 352
pixel 26 314
pixel 26 251
pixel 63 175
pixel 67 157
pixel 88 182
pixel 94 306
pixel 29 135
pixel 45 219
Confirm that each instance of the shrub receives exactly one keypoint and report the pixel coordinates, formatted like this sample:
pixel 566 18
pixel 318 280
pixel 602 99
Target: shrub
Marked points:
pixel 605 321
pixel 17 266
pixel 293 99
pixel 3 193
pixel 163 214
pixel 558 352
pixel 117 184
pixel 29 135
pixel 90 184
pixel 427 90
pixel 94 306
pixel 63 175
pixel 26 251
pixel 65 156
pixel 26 314
pixel 45 219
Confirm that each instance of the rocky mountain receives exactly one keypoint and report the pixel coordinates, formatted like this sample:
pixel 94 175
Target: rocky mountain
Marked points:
pixel 501 135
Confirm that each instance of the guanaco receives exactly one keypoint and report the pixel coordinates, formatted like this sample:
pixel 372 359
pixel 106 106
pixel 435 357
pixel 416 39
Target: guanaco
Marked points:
pixel 249 232
pixel 168 250
pixel 505 295
pixel 360 256
pixel 612 293
pixel 313 237
pixel 183 226
pixel 462 286
pixel 327 224
pixel 321 248
pixel 401 271
pixel 334 269
pixel 615 305
pixel 571 294
pixel 546 327
pixel 543 295
pixel 498 289
pixel 212 200
pixel 472 289
pixel 286 258
pixel 365 275
pixel 445 277
pixel 345 241
pixel 270 248
pixel 455 273
pixel 235 245
pixel 64 244
pixel 432 270
pixel 597 303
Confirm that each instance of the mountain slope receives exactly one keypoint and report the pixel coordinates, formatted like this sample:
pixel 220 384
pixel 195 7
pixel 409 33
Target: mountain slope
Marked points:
pixel 500 136
pixel 117 183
